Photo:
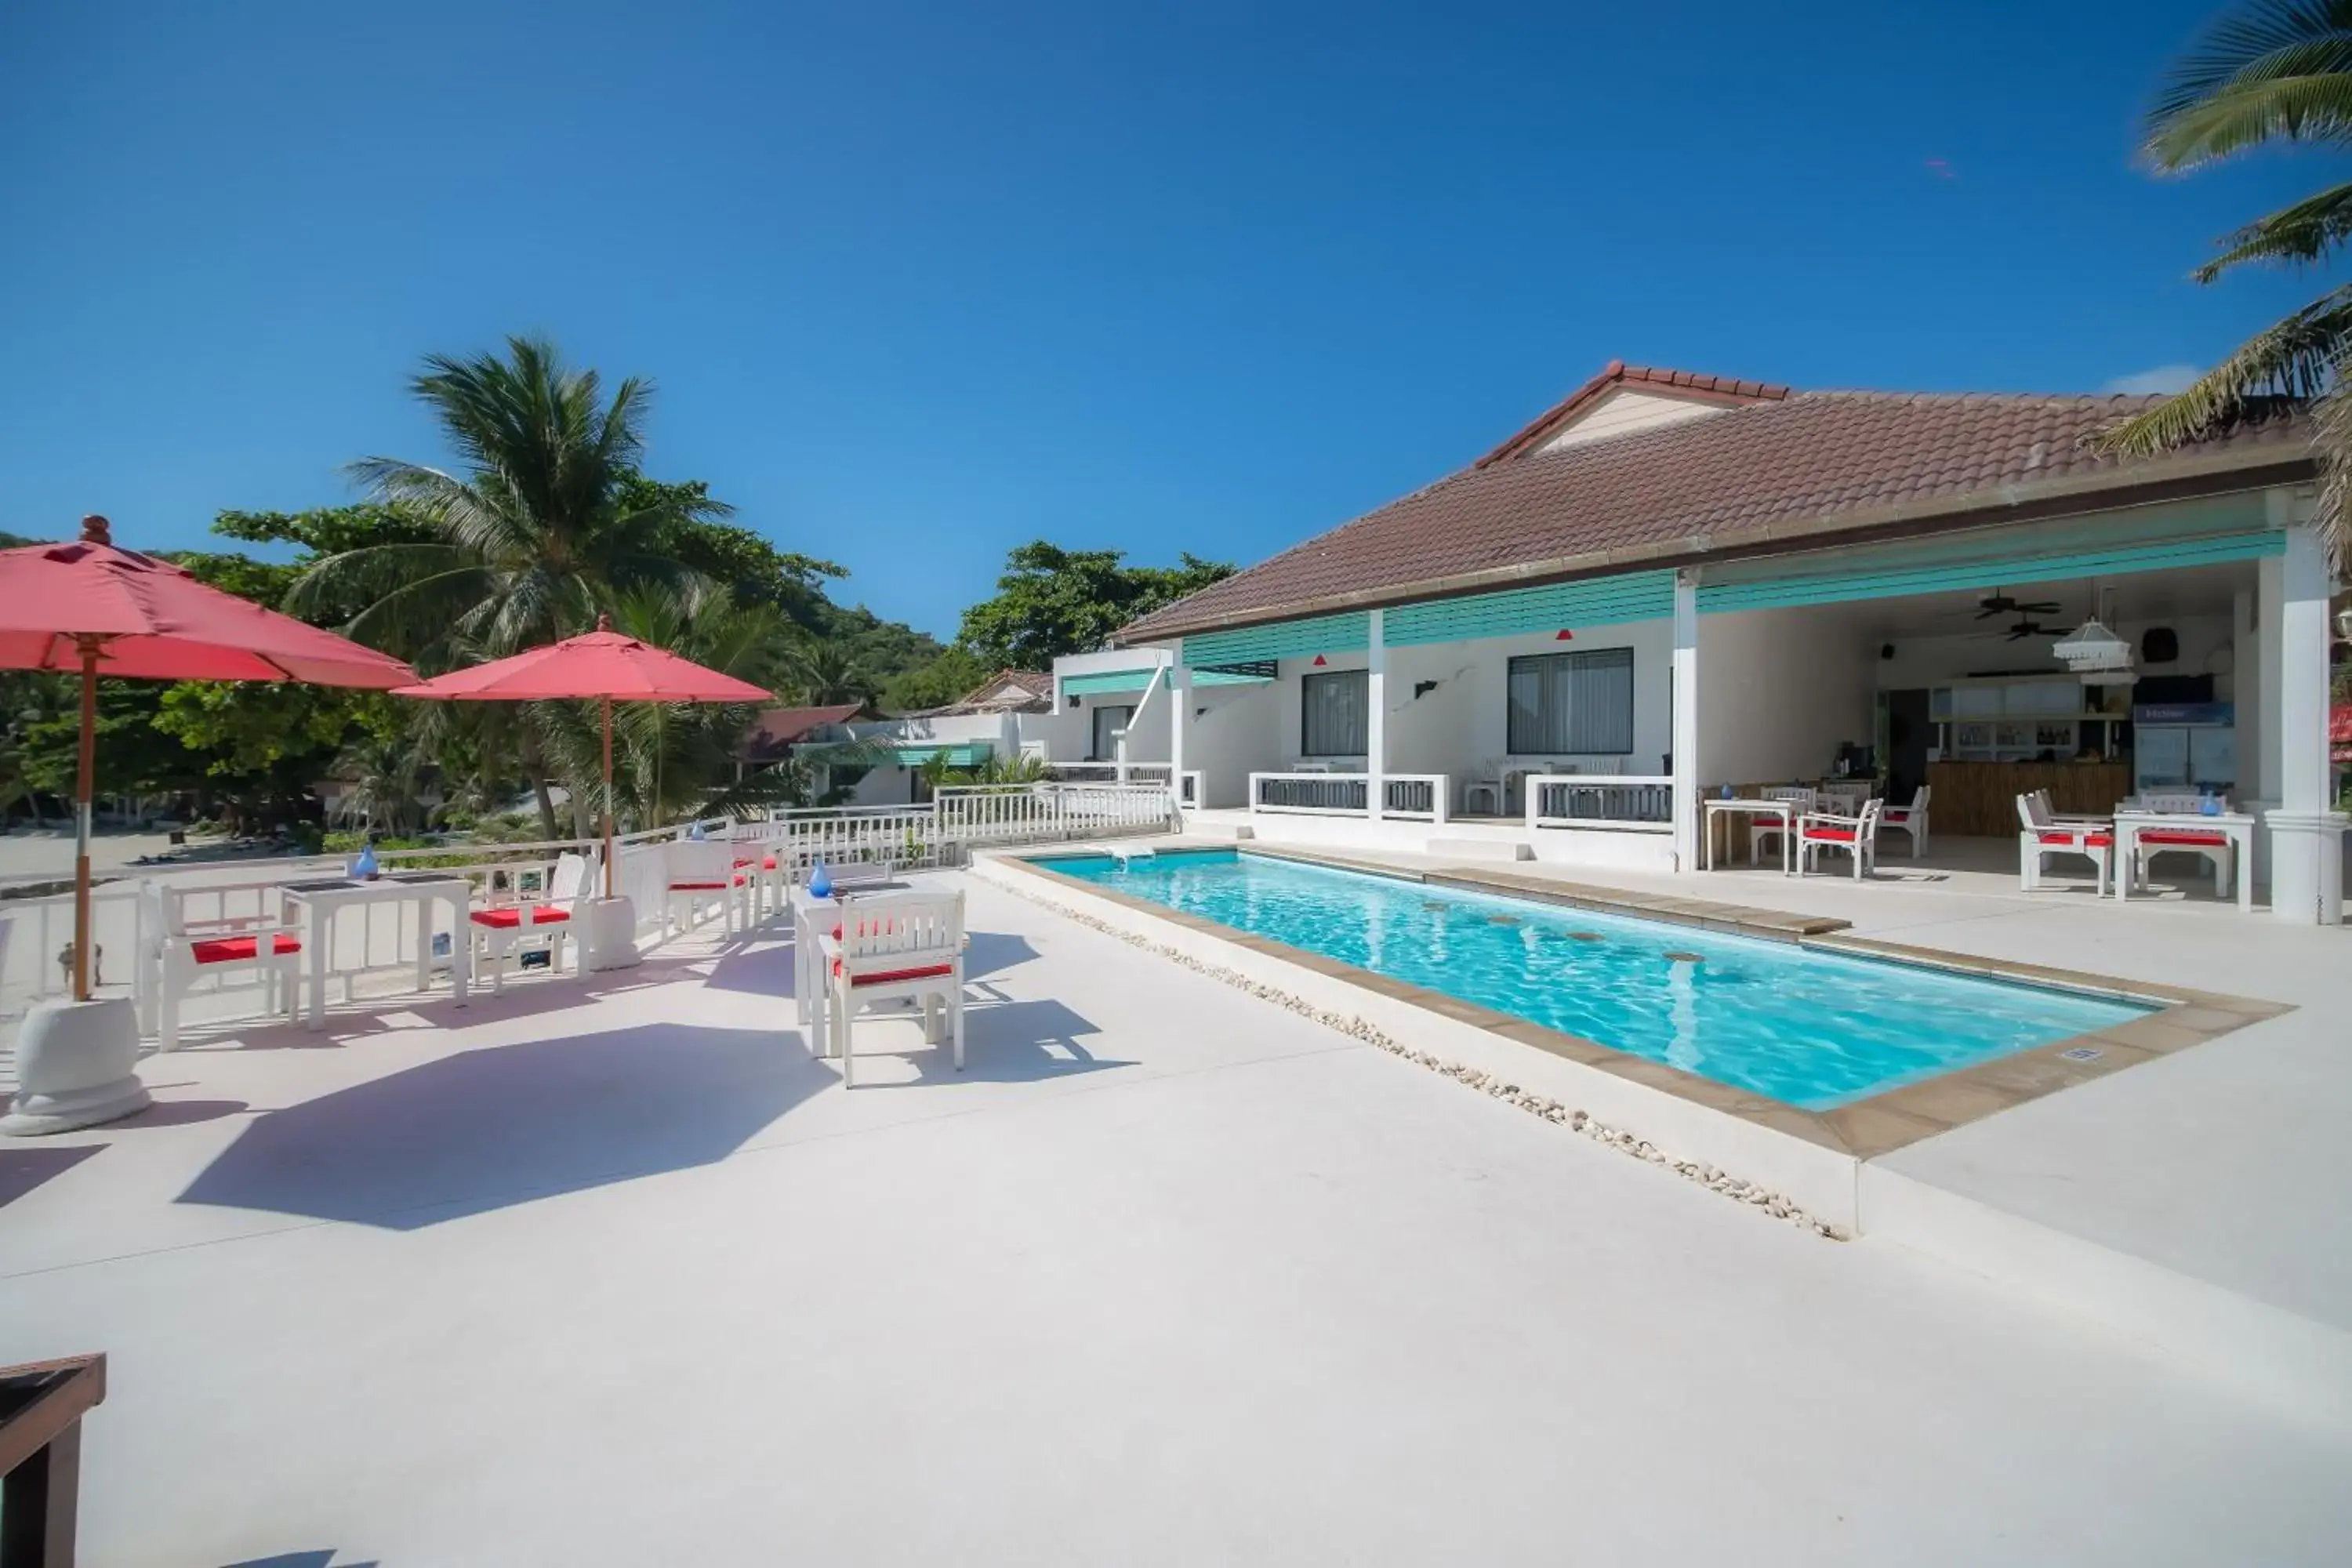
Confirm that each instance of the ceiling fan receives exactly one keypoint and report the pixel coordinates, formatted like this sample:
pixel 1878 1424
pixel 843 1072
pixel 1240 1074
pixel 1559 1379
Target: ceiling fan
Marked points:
pixel 2000 603
pixel 2029 628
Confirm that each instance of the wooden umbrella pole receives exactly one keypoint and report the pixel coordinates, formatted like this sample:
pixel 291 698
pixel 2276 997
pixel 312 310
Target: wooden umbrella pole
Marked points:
pixel 84 779
pixel 608 797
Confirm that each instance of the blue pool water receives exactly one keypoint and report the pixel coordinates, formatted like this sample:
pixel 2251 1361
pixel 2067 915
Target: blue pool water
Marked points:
pixel 1811 1029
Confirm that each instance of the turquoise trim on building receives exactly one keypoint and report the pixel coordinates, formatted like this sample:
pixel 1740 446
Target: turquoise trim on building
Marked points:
pixel 1227 678
pixel 1348 633
pixel 1106 680
pixel 1516 612
pixel 1883 581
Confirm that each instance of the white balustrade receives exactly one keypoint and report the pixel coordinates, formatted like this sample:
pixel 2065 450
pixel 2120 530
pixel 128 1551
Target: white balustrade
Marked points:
pixel 35 931
pixel 1626 803
pixel 1413 797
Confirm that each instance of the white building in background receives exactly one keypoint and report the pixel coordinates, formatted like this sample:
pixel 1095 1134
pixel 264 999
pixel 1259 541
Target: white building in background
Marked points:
pixel 1670 584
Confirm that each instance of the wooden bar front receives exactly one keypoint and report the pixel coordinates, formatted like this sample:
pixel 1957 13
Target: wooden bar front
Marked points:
pixel 1978 800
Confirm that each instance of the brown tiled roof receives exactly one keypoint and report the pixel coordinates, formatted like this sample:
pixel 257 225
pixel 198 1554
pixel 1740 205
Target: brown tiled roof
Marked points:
pixel 781 727
pixel 1690 385
pixel 1753 479
pixel 1036 685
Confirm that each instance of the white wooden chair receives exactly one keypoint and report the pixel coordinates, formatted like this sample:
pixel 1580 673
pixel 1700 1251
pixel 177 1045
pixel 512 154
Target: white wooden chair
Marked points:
pixel 813 919
pixel 183 950
pixel 893 947
pixel 1802 796
pixel 501 929
pixel 1911 820
pixel 700 871
pixel 1822 832
pixel 2042 834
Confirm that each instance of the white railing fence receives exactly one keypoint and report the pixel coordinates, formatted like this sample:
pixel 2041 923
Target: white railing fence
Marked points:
pixel 1320 794
pixel 1413 797
pixel 1126 772
pixel 1416 796
pixel 36 930
pixel 1626 803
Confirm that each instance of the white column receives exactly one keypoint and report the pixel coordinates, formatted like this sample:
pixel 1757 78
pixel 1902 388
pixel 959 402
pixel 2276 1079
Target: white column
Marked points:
pixel 2306 835
pixel 1686 729
pixel 2246 694
pixel 1376 723
pixel 1179 724
pixel 2270 612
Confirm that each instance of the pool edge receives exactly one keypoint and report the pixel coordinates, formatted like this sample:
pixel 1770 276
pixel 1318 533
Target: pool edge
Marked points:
pixel 1860 1131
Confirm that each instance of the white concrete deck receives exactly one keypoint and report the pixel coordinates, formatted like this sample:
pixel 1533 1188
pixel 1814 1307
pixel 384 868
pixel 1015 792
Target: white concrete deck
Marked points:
pixel 2215 1170
pixel 1170 1275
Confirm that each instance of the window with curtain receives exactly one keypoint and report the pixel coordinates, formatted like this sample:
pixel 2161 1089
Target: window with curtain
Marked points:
pixel 1572 704
pixel 1337 707
pixel 1108 722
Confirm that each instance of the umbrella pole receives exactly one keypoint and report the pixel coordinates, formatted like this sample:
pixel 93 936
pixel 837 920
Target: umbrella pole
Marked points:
pixel 83 779
pixel 608 797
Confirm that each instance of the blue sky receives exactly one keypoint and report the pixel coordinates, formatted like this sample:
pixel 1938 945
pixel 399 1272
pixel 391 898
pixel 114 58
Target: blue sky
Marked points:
pixel 919 282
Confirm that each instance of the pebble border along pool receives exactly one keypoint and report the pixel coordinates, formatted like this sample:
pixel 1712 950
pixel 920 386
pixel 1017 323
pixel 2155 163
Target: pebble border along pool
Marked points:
pixel 1723 1182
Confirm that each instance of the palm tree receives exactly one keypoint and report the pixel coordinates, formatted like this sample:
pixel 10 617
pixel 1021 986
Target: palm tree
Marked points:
pixel 541 528
pixel 2270 71
pixel 387 774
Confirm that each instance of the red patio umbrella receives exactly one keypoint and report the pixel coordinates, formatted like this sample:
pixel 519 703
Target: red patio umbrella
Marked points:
pixel 601 664
pixel 90 606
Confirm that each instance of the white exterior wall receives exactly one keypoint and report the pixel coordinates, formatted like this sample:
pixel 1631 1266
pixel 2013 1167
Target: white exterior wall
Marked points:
pixel 1063 737
pixel 1625 410
pixel 1778 689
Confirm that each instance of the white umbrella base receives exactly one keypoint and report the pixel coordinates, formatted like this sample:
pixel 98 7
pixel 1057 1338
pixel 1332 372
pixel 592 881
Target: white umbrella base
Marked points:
pixel 76 1066
pixel 611 939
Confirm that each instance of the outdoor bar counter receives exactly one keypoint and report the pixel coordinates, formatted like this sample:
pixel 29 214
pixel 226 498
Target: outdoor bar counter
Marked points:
pixel 1980 799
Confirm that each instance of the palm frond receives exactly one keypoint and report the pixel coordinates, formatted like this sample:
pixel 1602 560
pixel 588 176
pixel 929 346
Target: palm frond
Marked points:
pixel 2296 358
pixel 2302 233
pixel 2270 70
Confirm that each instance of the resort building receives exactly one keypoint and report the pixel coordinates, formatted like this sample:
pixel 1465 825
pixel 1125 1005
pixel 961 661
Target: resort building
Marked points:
pixel 1672 586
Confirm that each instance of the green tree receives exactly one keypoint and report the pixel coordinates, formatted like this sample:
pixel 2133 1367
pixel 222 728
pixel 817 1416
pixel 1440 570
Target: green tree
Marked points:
pixel 1051 600
pixel 946 679
pixel 822 673
pixel 2269 72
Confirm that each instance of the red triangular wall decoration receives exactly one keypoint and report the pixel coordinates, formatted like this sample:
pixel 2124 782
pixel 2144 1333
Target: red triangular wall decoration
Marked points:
pixel 1563 636
pixel 1320 661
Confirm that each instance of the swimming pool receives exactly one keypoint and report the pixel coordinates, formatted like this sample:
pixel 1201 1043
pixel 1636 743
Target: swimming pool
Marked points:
pixel 1811 1029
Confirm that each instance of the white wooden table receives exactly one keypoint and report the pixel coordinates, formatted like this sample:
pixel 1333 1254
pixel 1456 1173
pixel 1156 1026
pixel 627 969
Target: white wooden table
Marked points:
pixel 1788 810
pixel 2236 826
pixel 323 900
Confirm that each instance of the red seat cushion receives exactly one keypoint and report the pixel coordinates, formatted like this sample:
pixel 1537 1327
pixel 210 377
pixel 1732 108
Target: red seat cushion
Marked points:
pixel 882 977
pixel 510 916
pixel 233 949
pixel 2183 835
pixel 697 886
pixel 1833 834
pixel 768 863
pixel 2094 840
